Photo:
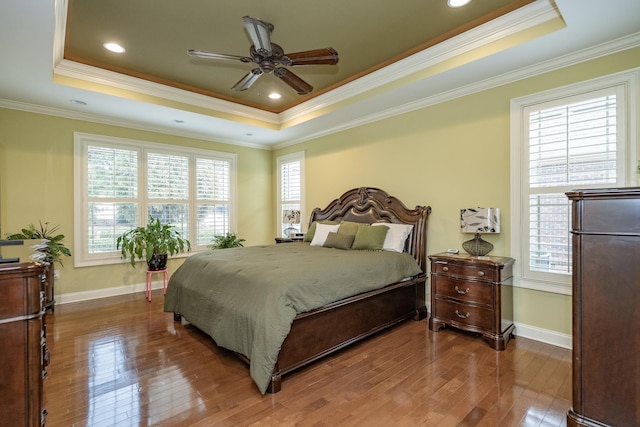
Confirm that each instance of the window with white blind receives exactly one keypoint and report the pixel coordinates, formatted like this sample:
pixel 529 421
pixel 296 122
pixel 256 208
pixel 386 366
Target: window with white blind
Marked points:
pixel 571 138
pixel 120 183
pixel 290 194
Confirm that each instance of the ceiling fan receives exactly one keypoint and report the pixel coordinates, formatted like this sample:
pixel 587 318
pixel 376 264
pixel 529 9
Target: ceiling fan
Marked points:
pixel 270 58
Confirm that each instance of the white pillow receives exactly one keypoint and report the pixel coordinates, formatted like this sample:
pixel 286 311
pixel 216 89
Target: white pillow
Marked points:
pixel 396 236
pixel 322 231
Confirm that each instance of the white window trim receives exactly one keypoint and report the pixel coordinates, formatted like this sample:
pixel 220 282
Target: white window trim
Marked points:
pixel 297 156
pixel 630 80
pixel 81 256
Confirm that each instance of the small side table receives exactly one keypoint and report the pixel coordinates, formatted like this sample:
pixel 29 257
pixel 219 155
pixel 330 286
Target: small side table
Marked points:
pixel 289 239
pixel 150 273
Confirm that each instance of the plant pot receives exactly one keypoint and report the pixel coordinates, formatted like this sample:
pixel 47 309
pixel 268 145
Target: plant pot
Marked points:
pixel 157 262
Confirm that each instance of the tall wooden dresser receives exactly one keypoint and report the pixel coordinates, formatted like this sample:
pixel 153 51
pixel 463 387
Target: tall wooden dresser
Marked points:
pixel 606 307
pixel 23 351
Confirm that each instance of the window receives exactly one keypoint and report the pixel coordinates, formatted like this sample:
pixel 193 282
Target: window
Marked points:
pixel 290 193
pixel 120 183
pixel 566 139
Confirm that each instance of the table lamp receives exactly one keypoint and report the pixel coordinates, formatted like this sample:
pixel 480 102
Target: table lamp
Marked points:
pixel 479 221
pixel 292 217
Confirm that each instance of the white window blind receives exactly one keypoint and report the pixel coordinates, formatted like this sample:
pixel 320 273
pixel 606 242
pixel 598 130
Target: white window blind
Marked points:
pixel 120 183
pixel 570 146
pixel 112 192
pixel 213 199
pixel 290 181
pixel 564 139
pixel 168 190
pixel 290 192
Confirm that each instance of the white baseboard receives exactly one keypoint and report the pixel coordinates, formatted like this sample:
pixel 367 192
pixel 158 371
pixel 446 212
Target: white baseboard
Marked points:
pixel 522 330
pixel 104 293
pixel 544 335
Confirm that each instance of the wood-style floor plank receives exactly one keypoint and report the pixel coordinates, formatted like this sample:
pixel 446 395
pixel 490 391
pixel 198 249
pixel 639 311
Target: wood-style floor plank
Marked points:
pixel 122 361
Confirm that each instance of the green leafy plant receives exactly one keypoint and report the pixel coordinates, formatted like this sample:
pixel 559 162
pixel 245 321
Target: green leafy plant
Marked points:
pixel 229 240
pixel 153 239
pixel 51 250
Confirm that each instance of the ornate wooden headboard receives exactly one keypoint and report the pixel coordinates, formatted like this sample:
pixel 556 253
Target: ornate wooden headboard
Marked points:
pixel 370 205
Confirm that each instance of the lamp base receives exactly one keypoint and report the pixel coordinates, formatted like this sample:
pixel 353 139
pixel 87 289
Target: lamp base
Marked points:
pixel 477 246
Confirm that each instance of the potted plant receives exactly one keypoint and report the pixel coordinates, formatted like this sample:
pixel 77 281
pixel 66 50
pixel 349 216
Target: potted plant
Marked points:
pixel 152 243
pixel 229 240
pixel 49 251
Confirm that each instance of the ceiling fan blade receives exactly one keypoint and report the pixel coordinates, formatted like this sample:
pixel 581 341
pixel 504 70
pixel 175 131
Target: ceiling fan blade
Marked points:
pixel 210 55
pixel 259 33
pixel 293 80
pixel 246 82
pixel 327 56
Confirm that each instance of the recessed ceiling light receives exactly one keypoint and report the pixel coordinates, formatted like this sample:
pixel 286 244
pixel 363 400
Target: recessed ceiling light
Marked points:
pixel 114 47
pixel 77 102
pixel 275 95
pixel 457 3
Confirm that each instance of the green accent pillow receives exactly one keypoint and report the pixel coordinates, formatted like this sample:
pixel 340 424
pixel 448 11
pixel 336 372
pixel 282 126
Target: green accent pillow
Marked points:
pixel 312 229
pixel 339 240
pixel 350 227
pixel 370 238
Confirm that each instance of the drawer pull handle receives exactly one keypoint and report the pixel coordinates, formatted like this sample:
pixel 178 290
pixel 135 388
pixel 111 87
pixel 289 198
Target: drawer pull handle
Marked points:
pixel 462 316
pixel 461 292
pixel 445 268
pixel 480 273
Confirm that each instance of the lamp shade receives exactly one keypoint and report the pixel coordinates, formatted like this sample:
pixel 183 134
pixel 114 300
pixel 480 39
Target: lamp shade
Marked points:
pixel 480 220
pixel 291 216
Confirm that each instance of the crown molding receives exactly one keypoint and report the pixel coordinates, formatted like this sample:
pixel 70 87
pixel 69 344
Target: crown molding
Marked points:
pixel 588 54
pixel 595 52
pixel 96 118
pixel 112 79
pixel 507 25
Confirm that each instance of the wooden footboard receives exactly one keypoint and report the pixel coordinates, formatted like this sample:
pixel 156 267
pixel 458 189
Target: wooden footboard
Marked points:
pixel 330 328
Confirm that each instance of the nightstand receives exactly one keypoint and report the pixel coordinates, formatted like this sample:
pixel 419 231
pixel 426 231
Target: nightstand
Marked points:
pixel 473 294
pixel 289 239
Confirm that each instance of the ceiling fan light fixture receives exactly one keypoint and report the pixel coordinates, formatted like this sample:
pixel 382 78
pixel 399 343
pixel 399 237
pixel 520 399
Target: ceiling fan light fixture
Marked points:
pixel 275 95
pixel 457 3
pixel 114 47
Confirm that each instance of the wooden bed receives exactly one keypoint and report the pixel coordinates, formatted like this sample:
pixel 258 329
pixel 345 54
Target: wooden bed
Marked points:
pixel 317 333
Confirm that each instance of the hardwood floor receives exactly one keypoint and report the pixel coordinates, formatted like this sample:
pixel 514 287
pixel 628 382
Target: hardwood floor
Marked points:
pixel 124 362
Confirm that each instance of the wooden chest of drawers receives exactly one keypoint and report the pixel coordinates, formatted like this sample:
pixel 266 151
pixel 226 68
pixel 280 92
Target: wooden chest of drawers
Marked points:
pixel 473 294
pixel 23 355
pixel 606 314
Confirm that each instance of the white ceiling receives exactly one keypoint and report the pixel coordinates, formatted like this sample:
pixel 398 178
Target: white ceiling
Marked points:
pixel 31 33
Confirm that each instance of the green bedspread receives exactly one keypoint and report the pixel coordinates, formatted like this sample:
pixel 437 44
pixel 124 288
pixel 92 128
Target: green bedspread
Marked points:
pixel 246 298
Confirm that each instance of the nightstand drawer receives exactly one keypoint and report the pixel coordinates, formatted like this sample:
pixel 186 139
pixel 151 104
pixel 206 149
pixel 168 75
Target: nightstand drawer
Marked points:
pixel 468 271
pixel 464 290
pixel 477 317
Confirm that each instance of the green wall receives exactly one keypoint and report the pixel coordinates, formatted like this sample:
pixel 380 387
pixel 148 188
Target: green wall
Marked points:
pixel 449 156
pixel 36 184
